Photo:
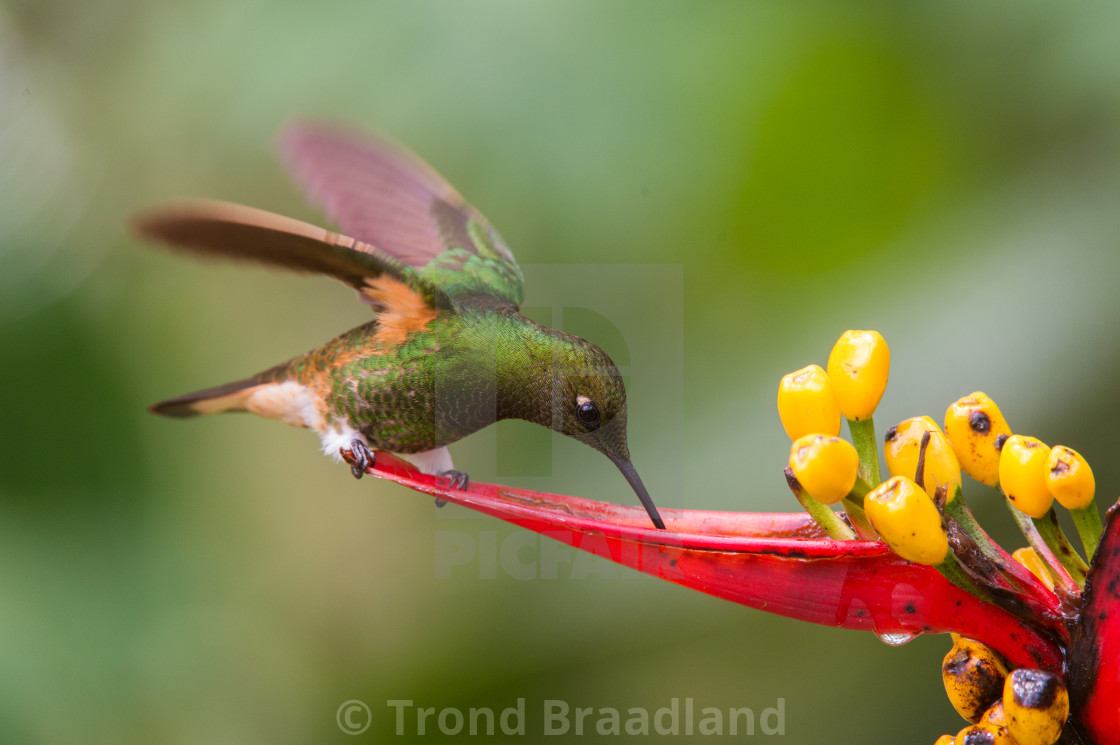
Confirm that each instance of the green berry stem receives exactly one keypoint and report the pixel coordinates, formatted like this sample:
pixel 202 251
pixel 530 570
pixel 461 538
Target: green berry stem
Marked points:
pixel 859 491
pixel 958 512
pixel 1052 533
pixel 1057 546
pixel 853 506
pixel 863 437
pixel 858 518
pixel 820 512
pixel 952 570
pixel 1087 520
pixel 1063 580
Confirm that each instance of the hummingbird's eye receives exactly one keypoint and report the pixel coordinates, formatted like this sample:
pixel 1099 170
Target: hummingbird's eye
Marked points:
pixel 588 413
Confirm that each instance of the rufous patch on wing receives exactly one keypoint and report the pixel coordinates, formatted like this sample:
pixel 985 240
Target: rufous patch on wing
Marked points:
pixel 400 310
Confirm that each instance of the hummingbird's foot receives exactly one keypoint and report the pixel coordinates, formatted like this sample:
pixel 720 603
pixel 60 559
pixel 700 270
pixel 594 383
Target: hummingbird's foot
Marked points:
pixel 458 479
pixel 358 456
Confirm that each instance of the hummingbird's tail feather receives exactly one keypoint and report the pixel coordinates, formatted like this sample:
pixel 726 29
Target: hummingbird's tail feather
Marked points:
pixel 240 395
pixel 229 397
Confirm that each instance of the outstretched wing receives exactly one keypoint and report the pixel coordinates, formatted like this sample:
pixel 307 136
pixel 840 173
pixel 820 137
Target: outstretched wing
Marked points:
pixel 231 230
pixel 387 197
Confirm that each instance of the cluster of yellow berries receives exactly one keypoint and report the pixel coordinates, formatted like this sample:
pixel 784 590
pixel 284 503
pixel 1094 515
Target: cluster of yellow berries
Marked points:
pixel 1024 707
pixel 925 462
pixel 910 510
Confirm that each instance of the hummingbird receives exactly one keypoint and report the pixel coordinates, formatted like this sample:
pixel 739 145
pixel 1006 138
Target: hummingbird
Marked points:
pixel 447 352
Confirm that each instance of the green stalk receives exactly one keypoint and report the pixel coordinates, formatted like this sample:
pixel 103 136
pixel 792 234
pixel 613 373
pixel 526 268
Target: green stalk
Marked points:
pixel 1047 527
pixel 951 569
pixel 985 558
pixel 820 512
pixel 859 520
pixel 957 511
pixel 853 505
pixel 1088 523
pixel 1063 581
pixel 863 437
pixel 859 491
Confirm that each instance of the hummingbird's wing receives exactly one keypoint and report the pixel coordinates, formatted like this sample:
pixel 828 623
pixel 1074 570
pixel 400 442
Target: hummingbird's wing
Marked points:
pixel 387 197
pixel 235 231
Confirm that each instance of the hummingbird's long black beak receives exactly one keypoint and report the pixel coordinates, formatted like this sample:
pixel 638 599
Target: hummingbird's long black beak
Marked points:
pixel 639 488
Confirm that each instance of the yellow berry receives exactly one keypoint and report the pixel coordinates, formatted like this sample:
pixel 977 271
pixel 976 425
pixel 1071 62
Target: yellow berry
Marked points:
pixel 973 677
pixel 1022 474
pixel 1035 565
pixel 908 521
pixel 1069 478
pixel 1036 705
pixel 945 740
pixel 807 403
pixel 982 734
pixel 825 466
pixel 995 716
pixel 903 446
pixel 977 430
pixel 858 366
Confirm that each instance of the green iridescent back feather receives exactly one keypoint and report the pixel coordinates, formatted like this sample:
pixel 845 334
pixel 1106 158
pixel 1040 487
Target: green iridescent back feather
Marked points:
pixel 477 260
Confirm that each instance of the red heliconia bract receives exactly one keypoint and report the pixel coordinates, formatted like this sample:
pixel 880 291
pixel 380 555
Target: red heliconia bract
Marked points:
pixel 1094 655
pixel 784 564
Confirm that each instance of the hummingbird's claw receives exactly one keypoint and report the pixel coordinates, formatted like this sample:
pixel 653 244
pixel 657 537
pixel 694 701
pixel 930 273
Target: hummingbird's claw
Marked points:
pixel 458 479
pixel 358 456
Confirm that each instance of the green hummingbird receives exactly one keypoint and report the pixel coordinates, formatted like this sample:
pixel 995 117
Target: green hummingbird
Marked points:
pixel 447 352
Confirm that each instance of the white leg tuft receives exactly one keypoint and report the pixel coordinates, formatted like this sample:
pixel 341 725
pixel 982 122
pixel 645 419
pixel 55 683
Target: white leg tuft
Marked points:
pixel 338 437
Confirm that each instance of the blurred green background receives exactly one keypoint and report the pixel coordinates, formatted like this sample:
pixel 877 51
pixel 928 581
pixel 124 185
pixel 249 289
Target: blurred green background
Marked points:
pixel 726 186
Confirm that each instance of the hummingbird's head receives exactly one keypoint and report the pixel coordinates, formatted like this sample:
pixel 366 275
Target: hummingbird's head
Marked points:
pixel 589 399
pixel 589 405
